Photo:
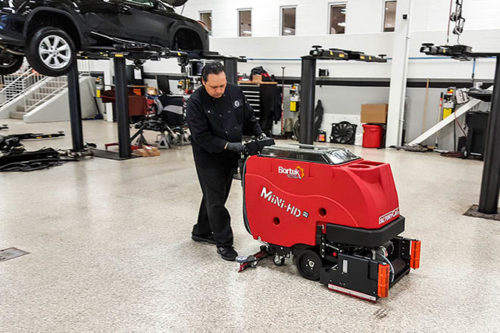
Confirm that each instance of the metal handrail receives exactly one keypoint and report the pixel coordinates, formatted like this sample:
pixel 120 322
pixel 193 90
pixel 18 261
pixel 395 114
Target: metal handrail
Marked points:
pixel 19 85
pixel 47 97
pixel 19 77
pixel 35 88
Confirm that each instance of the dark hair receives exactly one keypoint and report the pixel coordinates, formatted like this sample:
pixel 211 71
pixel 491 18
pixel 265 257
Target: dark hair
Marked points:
pixel 211 68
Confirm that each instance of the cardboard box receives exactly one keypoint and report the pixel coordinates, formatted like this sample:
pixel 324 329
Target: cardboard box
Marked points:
pixel 256 78
pixel 147 151
pixel 374 113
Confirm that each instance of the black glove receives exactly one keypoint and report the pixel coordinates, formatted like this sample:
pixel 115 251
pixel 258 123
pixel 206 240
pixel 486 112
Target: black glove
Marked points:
pixel 237 147
pixel 262 137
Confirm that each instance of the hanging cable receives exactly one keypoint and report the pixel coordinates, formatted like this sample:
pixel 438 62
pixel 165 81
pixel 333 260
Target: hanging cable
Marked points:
pixel 459 20
pixel 473 70
pixel 449 23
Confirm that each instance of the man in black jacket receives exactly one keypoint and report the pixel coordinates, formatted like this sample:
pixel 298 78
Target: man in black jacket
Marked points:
pixel 218 115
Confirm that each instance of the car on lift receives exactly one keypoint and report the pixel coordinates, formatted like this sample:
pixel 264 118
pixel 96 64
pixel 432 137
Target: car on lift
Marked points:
pixel 51 33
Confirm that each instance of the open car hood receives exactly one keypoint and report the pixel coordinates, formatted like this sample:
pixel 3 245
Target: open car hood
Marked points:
pixel 175 3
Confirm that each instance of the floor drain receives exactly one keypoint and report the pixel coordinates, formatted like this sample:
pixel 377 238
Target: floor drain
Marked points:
pixel 11 253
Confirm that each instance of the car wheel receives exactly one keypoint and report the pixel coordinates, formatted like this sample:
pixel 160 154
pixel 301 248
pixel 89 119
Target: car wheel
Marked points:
pixel 10 63
pixel 51 51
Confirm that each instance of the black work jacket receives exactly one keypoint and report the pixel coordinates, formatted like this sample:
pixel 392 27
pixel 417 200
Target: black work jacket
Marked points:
pixel 214 122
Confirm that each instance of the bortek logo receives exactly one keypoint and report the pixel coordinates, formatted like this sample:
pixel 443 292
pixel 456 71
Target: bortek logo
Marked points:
pixel 389 216
pixel 297 173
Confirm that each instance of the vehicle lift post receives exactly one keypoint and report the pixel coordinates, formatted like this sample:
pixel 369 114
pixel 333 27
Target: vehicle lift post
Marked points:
pixel 231 69
pixel 490 185
pixel 307 98
pixel 488 200
pixel 308 83
pixel 121 105
pixel 75 112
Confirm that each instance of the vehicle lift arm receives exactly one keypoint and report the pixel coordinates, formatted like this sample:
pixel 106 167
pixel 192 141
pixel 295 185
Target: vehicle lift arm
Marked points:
pixel 490 187
pixel 132 51
pixel 308 81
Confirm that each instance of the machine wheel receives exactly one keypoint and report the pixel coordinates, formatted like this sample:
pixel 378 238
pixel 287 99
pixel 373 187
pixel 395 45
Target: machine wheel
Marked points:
pixel 309 264
pixel 278 260
pixel 463 153
pixel 171 138
pixel 51 51
pixel 10 63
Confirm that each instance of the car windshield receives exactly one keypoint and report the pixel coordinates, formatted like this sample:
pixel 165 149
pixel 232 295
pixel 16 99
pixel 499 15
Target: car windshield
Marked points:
pixel 165 5
pixel 144 3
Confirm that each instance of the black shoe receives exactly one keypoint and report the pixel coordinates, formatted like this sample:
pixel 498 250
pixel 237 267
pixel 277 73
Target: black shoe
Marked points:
pixel 227 253
pixel 207 239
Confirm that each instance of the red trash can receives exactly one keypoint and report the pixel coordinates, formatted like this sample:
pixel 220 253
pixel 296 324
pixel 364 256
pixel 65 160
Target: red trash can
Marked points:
pixel 372 136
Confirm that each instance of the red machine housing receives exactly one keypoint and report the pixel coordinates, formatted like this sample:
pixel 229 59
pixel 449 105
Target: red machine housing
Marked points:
pixel 287 199
pixel 337 214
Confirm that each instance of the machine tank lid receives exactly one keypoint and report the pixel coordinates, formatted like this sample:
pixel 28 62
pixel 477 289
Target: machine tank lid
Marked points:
pixel 310 153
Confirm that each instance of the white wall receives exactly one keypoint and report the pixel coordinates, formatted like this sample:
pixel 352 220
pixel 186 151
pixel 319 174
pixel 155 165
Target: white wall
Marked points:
pixel 57 108
pixel 363 16
pixel 432 15
pixel 364 25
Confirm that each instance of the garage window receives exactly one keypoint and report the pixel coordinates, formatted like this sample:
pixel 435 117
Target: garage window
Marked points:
pixel 245 22
pixel 390 16
pixel 337 18
pixel 206 18
pixel 288 21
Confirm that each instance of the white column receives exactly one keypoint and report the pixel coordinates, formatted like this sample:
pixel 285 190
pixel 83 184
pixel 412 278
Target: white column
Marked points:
pixel 399 71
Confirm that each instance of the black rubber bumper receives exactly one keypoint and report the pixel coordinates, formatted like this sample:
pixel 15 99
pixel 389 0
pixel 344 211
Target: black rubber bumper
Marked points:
pixel 365 237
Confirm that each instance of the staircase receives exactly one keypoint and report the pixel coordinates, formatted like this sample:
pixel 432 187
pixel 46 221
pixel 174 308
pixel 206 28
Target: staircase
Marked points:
pixel 14 85
pixel 44 91
pixel 35 98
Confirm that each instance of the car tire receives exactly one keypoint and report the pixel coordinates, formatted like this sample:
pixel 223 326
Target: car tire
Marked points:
pixel 51 51
pixel 10 63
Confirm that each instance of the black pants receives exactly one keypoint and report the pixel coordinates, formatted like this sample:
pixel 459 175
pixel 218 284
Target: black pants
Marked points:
pixel 213 216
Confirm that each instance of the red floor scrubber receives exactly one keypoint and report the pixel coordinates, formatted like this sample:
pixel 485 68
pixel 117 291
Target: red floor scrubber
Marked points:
pixel 335 213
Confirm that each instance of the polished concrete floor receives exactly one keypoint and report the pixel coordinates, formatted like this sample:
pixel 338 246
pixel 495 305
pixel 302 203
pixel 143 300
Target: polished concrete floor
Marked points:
pixel 110 251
